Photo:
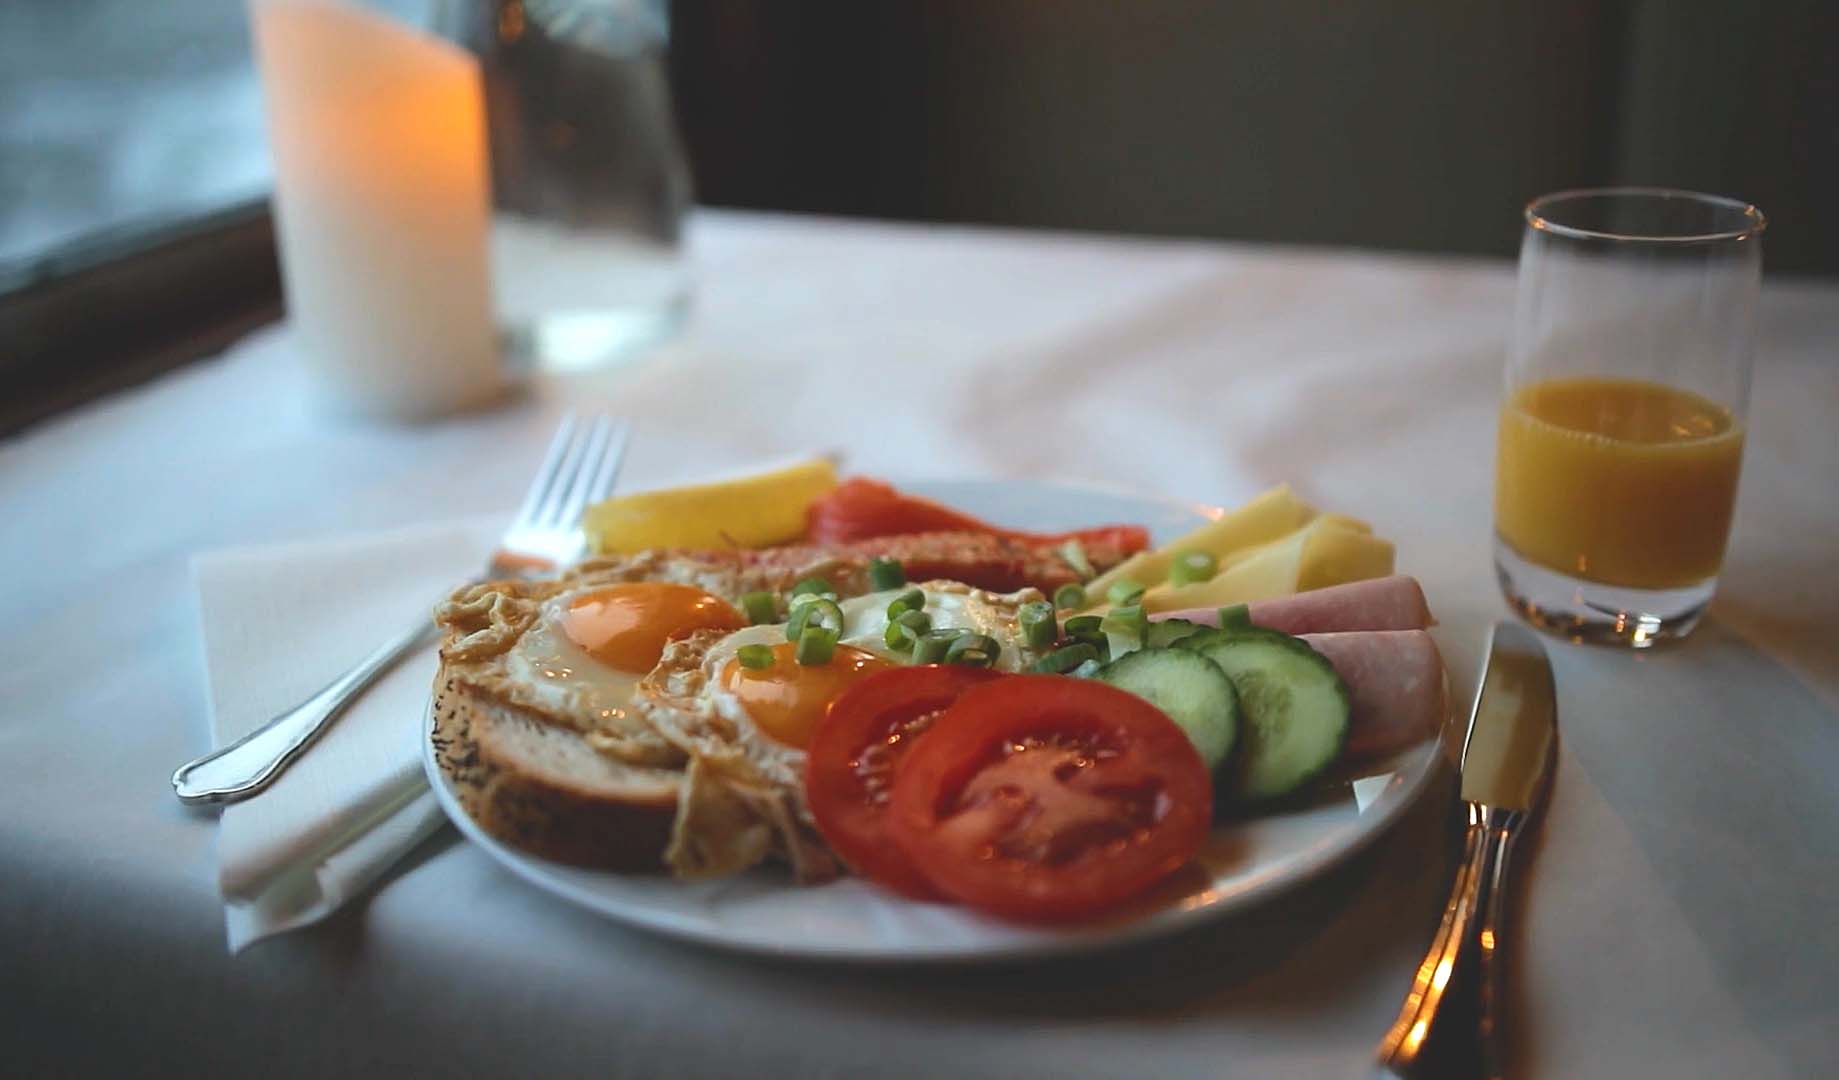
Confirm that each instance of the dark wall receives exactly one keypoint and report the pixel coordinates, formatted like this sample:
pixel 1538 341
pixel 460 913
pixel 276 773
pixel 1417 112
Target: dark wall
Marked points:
pixel 1419 126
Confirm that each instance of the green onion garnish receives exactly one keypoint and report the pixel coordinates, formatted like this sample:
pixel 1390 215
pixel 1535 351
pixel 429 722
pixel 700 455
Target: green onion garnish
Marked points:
pixel 1070 597
pixel 815 646
pixel 813 611
pixel 886 574
pixel 1235 617
pixel 1061 661
pixel 931 646
pixel 1087 669
pixel 973 650
pixel 813 585
pixel 1124 591
pixel 911 600
pixel 906 629
pixel 1128 622
pixel 760 607
pixel 1074 553
pixel 755 656
pixel 1190 567
pixel 1081 627
pixel 1039 628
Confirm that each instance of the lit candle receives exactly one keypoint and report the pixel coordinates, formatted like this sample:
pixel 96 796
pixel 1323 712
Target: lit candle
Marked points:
pixel 382 202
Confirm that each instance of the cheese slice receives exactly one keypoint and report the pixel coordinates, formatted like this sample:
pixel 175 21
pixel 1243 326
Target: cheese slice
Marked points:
pixel 1332 549
pixel 1271 516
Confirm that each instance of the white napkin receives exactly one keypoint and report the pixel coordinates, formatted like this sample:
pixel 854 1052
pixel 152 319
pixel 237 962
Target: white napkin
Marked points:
pixel 280 622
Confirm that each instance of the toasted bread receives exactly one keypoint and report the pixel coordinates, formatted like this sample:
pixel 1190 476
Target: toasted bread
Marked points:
pixel 545 790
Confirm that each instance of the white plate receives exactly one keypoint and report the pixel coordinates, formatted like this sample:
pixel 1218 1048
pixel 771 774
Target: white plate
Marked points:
pixel 764 912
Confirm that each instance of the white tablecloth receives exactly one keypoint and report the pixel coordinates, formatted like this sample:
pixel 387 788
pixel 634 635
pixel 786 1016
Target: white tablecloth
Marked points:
pixel 1679 912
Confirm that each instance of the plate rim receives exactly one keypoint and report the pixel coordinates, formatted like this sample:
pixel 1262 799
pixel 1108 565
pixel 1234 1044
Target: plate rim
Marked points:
pixel 1417 764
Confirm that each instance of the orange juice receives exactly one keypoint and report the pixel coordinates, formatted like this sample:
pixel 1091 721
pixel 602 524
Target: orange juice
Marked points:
pixel 1617 481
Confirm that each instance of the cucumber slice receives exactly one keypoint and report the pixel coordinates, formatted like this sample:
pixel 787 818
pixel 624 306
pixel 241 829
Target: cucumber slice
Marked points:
pixel 1295 709
pixel 1167 632
pixel 1191 689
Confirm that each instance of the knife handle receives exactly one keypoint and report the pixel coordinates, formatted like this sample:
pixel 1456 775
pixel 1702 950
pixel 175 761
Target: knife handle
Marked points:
pixel 1502 826
pixel 1401 1053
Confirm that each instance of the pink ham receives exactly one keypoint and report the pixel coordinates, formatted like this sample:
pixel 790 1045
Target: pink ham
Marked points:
pixel 1388 603
pixel 1395 678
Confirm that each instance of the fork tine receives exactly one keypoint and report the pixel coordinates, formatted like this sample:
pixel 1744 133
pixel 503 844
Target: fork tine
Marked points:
pixel 546 474
pixel 593 449
pixel 601 485
pixel 567 472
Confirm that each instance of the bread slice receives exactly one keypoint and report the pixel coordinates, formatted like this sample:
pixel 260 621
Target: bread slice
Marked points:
pixel 545 790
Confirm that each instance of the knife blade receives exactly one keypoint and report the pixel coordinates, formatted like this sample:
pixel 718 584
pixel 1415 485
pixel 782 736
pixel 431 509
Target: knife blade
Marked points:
pixel 1508 756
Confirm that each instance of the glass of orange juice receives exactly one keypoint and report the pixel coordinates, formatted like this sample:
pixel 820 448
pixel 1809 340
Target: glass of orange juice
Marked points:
pixel 1621 432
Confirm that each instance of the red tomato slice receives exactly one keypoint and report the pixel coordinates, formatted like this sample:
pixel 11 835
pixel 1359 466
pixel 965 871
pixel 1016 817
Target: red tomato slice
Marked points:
pixel 1047 798
pixel 849 764
pixel 862 509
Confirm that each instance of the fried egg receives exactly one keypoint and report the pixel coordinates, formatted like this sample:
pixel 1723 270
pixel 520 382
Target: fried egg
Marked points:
pixel 786 700
pixel 583 656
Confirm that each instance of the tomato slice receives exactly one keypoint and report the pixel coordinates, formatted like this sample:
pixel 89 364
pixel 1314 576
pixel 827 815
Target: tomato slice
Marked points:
pixel 1047 798
pixel 863 509
pixel 850 762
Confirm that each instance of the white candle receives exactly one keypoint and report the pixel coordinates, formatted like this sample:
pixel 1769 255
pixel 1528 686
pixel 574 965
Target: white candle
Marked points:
pixel 382 202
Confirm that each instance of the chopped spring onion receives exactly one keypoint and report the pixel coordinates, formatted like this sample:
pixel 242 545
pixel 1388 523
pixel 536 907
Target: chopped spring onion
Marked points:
pixel 760 607
pixel 1123 592
pixel 816 586
pixel 931 647
pixel 812 611
pixel 1074 553
pixel 973 650
pixel 886 574
pixel 911 600
pixel 1125 628
pixel 1191 567
pixel 906 629
pixel 1235 617
pixel 1087 669
pixel 755 656
pixel 1063 660
pixel 815 646
pixel 1070 597
pixel 1083 627
pixel 1039 628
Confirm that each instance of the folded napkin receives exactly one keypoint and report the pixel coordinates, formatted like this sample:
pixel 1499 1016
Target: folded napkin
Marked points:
pixel 281 622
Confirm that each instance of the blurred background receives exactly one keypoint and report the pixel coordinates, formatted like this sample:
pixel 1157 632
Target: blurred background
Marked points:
pixel 134 171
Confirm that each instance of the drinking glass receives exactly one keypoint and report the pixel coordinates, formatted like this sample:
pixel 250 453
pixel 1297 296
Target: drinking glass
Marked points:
pixel 589 179
pixel 1622 426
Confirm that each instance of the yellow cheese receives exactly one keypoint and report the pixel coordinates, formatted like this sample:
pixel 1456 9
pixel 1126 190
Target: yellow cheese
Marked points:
pixel 1270 516
pixel 750 511
pixel 1330 550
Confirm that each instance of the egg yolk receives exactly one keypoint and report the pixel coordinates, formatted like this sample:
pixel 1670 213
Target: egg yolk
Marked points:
pixel 788 699
pixel 627 626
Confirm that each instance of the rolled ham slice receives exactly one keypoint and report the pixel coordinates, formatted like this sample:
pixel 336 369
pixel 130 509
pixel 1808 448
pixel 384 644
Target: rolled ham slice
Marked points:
pixel 1395 678
pixel 1388 603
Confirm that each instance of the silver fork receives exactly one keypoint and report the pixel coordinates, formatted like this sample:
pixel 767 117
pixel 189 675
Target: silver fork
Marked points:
pixel 580 466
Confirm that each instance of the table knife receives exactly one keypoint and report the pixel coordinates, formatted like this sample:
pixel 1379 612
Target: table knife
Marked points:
pixel 1508 756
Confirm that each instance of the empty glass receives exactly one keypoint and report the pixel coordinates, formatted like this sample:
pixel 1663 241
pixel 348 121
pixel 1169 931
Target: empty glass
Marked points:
pixel 1621 432
pixel 589 181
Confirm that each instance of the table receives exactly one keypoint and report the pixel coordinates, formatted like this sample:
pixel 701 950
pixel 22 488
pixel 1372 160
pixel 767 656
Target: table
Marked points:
pixel 1679 915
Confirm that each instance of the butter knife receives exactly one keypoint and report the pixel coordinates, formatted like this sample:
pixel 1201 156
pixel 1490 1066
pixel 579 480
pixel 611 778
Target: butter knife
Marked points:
pixel 1507 761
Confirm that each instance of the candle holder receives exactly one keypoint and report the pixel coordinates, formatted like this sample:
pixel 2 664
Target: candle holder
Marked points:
pixel 381 207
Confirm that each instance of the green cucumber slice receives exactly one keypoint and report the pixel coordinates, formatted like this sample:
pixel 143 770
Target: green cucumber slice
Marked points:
pixel 1191 689
pixel 1294 708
